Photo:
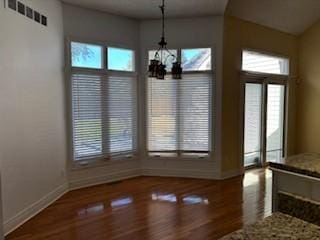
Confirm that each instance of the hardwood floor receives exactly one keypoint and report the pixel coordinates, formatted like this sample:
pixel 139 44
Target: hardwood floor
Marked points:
pixel 154 208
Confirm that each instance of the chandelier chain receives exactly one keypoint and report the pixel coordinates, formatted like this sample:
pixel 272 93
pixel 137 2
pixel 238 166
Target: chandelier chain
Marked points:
pixel 162 7
pixel 157 67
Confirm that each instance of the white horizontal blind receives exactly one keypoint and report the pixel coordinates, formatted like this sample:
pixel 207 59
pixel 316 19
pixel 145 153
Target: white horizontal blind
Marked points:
pixel 257 62
pixel 87 115
pixel 104 115
pixel 253 116
pixel 122 114
pixel 162 114
pixel 179 113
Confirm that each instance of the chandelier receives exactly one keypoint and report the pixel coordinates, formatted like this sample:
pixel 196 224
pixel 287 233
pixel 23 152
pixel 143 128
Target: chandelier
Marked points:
pixel 157 67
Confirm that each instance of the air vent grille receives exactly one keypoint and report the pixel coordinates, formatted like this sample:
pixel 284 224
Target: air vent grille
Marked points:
pixel 27 11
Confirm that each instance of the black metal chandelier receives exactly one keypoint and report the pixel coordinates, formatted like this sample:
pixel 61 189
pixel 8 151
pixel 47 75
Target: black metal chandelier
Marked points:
pixel 157 67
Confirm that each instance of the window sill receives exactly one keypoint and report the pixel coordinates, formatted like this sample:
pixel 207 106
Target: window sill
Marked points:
pixel 185 159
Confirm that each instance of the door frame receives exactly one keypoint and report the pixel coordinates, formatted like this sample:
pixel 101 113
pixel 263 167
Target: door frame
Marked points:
pixel 264 79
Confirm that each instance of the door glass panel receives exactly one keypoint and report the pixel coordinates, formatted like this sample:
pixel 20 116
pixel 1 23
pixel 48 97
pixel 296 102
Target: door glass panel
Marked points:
pixel 252 130
pixel 275 122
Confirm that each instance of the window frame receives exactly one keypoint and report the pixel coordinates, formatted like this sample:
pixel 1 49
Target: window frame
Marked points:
pixel 212 105
pixel 69 70
pixel 266 53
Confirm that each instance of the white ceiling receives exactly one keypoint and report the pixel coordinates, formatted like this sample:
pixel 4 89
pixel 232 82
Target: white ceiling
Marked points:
pixel 291 16
pixel 148 9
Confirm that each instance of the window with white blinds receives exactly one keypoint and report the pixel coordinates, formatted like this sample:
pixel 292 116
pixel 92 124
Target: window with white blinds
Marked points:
pixel 179 115
pixel 104 115
pixel 104 105
pixel 258 62
pixel 87 115
pixel 121 112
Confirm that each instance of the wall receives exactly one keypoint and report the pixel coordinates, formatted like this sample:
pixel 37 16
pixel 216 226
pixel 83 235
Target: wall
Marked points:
pixel 183 33
pixel 1 216
pixel 308 117
pixel 32 96
pixel 239 34
pixel 93 25
pixel 32 106
pixel 116 31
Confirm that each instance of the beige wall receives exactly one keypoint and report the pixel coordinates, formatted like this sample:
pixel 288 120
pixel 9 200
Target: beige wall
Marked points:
pixel 308 104
pixel 239 34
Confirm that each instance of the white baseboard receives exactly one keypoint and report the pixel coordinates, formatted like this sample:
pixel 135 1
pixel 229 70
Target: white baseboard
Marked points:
pixel 184 173
pixel 113 177
pixel 29 212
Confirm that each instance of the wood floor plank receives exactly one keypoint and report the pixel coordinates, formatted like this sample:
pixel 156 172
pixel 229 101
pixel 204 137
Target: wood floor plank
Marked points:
pixel 154 208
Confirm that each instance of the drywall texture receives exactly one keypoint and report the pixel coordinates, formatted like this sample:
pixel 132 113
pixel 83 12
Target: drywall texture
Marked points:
pixel 32 106
pixel 114 31
pixel 90 25
pixel 308 117
pixel 183 33
pixel 239 34
pixel 1 216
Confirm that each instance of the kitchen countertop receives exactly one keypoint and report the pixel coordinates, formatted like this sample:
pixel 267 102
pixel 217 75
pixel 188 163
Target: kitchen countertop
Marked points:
pixel 277 227
pixel 306 164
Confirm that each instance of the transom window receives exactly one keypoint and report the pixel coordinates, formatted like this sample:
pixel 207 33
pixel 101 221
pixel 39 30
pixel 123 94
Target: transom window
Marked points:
pixel 86 55
pixel 104 103
pixel 198 59
pixel 258 62
pixel 120 59
pixel 180 111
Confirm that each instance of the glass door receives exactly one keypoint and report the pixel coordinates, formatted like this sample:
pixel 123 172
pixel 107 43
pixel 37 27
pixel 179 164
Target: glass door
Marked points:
pixel 252 122
pixel 275 122
pixel 264 120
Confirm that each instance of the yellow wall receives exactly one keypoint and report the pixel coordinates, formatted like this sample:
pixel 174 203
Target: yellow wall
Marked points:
pixel 239 34
pixel 308 106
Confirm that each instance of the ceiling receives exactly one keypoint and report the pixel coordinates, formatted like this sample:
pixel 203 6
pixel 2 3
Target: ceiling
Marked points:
pixel 291 16
pixel 148 9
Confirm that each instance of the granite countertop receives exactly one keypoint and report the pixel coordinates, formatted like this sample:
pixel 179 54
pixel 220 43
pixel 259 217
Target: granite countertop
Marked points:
pixel 277 227
pixel 306 164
